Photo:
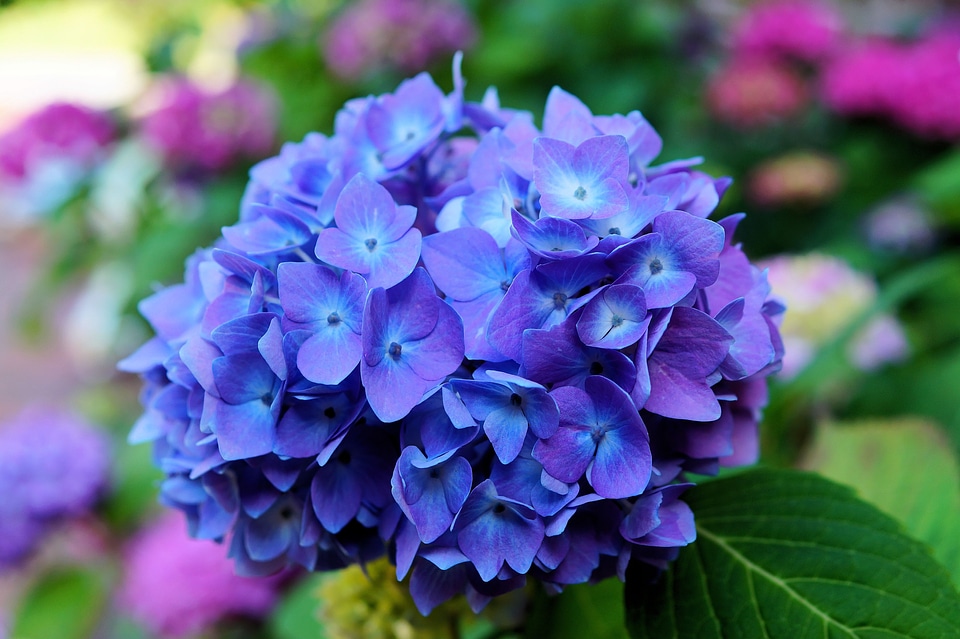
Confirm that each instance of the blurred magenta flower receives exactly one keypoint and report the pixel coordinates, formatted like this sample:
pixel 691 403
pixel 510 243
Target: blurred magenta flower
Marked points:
pixel 915 84
pixel 193 128
pixel 824 294
pixel 45 157
pixel 177 586
pixel 53 466
pixel 404 35
pixel 755 91
pixel 800 29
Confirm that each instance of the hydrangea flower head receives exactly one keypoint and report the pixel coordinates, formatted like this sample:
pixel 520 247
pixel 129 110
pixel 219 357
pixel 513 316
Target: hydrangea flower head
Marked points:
pixel 485 350
pixel 915 83
pixel 53 466
pixel 46 156
pixel 755 91
pixel 805 30
pixel 193 128
pixel 402 35
pixel 178 587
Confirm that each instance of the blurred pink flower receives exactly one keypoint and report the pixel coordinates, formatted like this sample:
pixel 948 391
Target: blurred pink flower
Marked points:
pixel 405 35
pixel 177 586
pixel 45 158
pixel 193 128
pixel 800 29
pixel 754 91
pixel 62 131
pixel 915 84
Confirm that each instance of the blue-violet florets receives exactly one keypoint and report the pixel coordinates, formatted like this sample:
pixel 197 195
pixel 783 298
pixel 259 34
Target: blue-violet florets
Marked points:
pixel 488 351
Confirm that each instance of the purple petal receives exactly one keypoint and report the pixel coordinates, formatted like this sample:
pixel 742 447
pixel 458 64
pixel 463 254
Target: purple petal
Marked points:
pixel 570 450
pixel 552 237
pixel 335 495
pixel 616 318
pixel 492 531
pixel 465 263
pixel 245 430
pixel 367 210
pixel 691 349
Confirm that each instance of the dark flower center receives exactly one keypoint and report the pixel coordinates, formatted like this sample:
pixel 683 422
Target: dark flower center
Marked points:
pixel 334 317
pixel 371 243
pixel 560 300
pixel 596 368
pixel 655 266
pixel 434 473
pixel 344 457
pixel 614 230
pixel 329 412
pixel 498 509
pixel 599 432
pixel 267 398
pixel 616 321
pixel 286 513
pixel 580 193
pixel 395 350
pixel 515 399
pixel 504 285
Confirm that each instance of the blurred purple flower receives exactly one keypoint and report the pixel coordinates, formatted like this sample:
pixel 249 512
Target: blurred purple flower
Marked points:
pixel 193 128
pixel 53 466
pixel 404 35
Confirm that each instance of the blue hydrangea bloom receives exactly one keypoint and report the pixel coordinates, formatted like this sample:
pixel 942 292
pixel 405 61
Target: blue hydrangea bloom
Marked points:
pixel 53 466
pixel 490 350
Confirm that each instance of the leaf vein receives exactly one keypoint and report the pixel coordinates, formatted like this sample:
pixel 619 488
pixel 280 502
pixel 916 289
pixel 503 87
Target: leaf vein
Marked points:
pixel 773 579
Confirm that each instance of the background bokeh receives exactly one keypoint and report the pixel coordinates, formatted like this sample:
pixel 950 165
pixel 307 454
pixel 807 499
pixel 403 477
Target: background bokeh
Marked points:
pixel 127 128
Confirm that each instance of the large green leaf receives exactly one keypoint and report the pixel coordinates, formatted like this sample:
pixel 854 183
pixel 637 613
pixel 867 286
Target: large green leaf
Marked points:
pixel 788 555
pixel 906 468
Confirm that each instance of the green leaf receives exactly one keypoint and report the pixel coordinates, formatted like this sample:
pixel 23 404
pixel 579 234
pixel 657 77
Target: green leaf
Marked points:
pixel 906 469
pixel 783 554
pixel 66 604
pixel 296 615
pixel 583 610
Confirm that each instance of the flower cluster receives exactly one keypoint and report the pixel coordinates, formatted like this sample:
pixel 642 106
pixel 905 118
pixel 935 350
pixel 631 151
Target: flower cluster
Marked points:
pixel 783 53
pixel 193 128
pixel 803 30
pixel 45 157
pixel 824 295
pixel 406 35
pixel 915 84
pixel 176 587
pixel 485 349
pixel 52 466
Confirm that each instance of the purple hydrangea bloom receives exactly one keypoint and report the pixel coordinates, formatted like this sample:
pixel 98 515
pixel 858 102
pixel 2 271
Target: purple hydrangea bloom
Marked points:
pixel 45 157
pixel 405 35
pixel 490 351
pixel 53 465
pixel 193 128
